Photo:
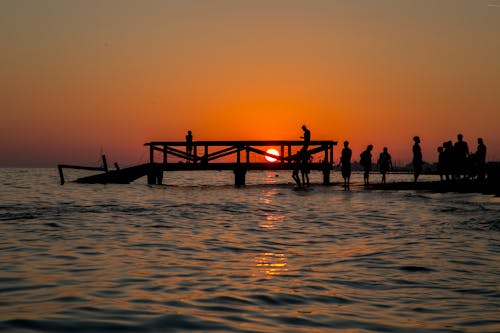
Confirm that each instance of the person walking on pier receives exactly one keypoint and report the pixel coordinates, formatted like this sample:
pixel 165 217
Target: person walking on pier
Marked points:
pixel 384 163
pixel 417 158
pixel 366 163
pixel 345 164
pixel 306 137
pixel 189 145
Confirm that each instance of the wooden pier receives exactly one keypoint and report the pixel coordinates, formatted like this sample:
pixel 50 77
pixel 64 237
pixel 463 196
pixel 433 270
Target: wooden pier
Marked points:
pixel 237 156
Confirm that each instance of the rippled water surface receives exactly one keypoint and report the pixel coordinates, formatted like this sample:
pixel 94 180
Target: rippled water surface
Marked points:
pixel 201 255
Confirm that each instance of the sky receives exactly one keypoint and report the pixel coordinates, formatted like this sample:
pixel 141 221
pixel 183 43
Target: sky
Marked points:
pixel 81 78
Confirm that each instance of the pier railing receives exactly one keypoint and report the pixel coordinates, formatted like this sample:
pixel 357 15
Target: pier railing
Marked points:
pixel 235 156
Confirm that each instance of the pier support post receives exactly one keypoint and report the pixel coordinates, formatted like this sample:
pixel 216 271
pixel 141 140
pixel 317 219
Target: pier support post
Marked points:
pixel 61 175
pixel 155 175
pixel 326 173
pixel 239 176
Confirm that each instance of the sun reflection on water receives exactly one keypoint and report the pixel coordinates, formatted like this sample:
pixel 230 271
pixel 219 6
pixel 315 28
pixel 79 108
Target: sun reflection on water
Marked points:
pixel 271 263
pixel 273 215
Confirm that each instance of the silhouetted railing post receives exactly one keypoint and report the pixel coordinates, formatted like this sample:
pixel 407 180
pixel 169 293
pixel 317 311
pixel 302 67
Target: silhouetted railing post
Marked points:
pixel 331 155
pixel 205 157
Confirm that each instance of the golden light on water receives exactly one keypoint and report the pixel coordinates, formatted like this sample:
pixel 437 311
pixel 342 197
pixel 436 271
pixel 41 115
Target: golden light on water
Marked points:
pixel 271 222
pixel 271 263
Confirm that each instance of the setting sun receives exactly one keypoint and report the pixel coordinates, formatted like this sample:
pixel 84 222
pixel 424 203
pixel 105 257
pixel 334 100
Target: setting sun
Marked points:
pixel 273 152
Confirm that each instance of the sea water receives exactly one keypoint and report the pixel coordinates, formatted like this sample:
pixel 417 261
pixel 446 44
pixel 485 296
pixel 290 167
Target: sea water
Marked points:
pixel 198 254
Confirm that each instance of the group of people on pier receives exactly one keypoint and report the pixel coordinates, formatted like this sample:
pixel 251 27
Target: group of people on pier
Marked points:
pixel 454 161
pixel 384 163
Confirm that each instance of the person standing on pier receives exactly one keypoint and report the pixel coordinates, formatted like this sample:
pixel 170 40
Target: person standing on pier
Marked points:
pixel 366 163
pixel 447 165
pixel 306 137
pixel 441 162
pixel 345 164
pixel 296 169
pixel 417 158
pixel 189 145
pixel 481 159
pixel 304 167
pixel 384 163
pixel 461 152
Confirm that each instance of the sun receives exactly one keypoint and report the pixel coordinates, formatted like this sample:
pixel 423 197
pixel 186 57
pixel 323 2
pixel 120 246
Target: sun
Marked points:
pixel 274 152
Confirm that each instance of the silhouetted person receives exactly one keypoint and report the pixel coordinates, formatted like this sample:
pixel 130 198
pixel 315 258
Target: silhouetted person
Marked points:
pixel 189 144
pixel 366 163
pixel 417 158
pixel 481 159
pixel 461 153
pixel 306 137
pixel 296 169
pixel 304 168
pixel 440 164
pixel 447 159
pixel 384 163
pixel 345 164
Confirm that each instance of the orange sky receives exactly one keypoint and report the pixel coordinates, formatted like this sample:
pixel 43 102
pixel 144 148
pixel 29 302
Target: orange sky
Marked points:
pixel 81 77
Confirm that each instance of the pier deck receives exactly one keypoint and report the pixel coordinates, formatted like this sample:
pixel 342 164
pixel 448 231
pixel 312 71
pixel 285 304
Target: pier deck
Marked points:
pixel 237 156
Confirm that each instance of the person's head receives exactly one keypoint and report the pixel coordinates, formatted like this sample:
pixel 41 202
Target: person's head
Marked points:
pixel 304 127
pixel 440 149
pixel 385 149
pixel 369 147
pixel 460 137
pixel 189 132
pixel 480 141
pixel 416 139
pixel 346 143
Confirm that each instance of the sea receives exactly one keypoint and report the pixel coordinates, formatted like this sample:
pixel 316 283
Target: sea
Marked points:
pixel 198 254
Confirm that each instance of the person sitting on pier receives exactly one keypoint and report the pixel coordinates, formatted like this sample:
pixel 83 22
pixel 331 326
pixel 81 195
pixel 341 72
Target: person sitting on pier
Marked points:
pixel 345 164
pixel 189 145
pixel 417 158
pixel 384 163
pixel 366 163
pixel 306 137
